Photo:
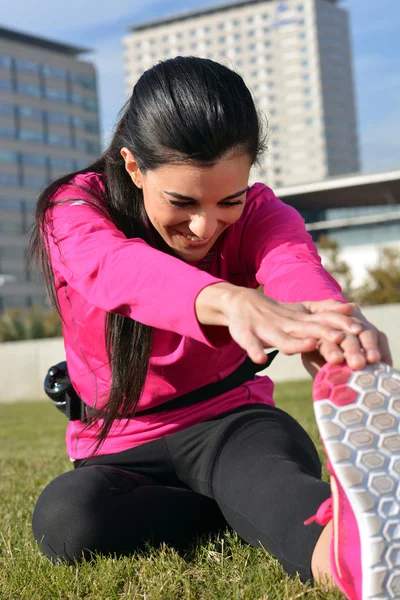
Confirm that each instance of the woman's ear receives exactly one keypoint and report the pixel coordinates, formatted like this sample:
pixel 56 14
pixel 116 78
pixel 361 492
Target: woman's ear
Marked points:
pixel 132 167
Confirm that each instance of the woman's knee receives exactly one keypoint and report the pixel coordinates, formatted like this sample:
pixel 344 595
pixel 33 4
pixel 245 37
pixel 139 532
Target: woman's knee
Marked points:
pixel 69 514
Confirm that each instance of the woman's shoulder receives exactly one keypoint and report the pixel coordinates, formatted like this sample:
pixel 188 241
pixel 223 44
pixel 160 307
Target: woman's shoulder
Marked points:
pixel 83 186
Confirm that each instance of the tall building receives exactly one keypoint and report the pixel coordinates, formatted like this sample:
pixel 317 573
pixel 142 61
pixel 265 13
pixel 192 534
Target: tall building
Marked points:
pixel 295 57
pixel 49 126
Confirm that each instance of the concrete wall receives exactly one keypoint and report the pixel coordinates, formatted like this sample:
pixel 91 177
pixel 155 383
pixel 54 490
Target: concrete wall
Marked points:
pixel 24 364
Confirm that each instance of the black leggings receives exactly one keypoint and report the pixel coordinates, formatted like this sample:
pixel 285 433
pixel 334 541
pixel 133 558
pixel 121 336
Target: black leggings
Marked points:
pixel 254 470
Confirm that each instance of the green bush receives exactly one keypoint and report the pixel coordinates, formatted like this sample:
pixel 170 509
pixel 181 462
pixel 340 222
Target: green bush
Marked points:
pixel 33 324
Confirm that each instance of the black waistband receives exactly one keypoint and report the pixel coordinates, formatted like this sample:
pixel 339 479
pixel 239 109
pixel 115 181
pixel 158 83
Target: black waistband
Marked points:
pixel 245 372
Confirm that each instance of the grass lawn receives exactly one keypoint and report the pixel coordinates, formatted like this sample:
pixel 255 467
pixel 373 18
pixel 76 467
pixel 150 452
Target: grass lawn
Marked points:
pixel 32 453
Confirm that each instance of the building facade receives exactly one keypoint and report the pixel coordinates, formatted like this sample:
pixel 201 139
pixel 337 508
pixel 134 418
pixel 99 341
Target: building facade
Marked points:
pixel 49 126
pixel 295 56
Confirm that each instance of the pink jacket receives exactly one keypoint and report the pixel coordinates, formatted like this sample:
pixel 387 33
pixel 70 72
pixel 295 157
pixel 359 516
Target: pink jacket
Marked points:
pixel 97 269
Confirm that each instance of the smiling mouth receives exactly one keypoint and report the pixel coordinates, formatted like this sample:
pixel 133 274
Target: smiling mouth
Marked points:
pixel 193 239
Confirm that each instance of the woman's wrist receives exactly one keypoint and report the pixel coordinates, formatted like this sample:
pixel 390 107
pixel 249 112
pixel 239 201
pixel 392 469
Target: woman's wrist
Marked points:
pixel 210 303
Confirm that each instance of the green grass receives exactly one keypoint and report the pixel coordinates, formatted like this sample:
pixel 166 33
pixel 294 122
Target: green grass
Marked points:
pixel 32 453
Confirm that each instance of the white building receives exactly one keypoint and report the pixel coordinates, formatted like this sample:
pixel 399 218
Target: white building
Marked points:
pixel 295 56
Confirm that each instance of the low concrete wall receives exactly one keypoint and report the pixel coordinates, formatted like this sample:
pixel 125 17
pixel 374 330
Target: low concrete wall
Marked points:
pixel 24 364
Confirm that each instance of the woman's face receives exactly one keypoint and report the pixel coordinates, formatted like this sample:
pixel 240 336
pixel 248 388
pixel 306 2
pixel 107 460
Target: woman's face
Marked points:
pixel 190 206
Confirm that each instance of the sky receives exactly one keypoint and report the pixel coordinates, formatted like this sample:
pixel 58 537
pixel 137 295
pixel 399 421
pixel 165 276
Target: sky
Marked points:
pixel 100 25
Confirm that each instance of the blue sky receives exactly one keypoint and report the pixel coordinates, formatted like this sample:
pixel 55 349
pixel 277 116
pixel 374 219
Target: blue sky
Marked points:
pixel 100 25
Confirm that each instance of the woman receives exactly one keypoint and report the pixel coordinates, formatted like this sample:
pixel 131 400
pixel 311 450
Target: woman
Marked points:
pixel 153 255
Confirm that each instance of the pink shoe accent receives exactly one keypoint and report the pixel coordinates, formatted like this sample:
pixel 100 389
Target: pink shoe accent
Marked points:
pixel 358 414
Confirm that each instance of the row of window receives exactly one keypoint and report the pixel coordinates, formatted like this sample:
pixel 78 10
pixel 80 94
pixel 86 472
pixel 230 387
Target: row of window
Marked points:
pixel 52 139
pixel 85 80
pixel 40 160
pixel 37 91
pixel 57 118
pixel 207 28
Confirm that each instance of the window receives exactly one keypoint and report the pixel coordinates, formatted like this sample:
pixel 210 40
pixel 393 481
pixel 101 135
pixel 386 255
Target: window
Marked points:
pixel 303 49
pixel 59 95
pixel 55 72
pixel 253 59
pixel 251 46
pixel 237 36
pixel 265 16
pixel 27 135
pixel 35 160
pixel 309 122
pixel 7 132
pixel 221 39
pixel 15 206
pixel 8 156
pixel 307 104
pixel 57 118
pixel 29 89
pixel 6 109
pixel 276 156
pixel 306 77
pixel 28 112
pixel 85 80
pixel 307 91
pixel 62 141
pixel 8 179
pixel 302 36
pixel 5 85
pixel 277 170
pixel 87 146
pixel 5 61
pixel 267 43
pixel 207 29
pixel 250 19
pixel 67 164
pixel 81 164
pixel 87 124
pixel 304 63
pixel 87 103
pixel 27 66
pixel 250 33
pixel 35 181
pixel 221 26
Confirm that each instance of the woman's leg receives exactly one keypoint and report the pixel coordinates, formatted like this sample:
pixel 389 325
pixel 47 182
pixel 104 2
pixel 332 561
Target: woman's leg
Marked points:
pixel 108 510
pixel 263 470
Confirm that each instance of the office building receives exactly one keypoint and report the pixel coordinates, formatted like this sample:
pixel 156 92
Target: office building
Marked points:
pixel 49 126
pixel 295 56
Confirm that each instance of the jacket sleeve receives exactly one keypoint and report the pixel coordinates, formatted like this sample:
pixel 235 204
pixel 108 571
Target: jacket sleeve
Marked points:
pixel 114 273
pixel 284 255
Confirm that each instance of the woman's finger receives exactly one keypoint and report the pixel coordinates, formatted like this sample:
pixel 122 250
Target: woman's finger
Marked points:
pixel 386 355
pixel 370 344
pixel 331 353
pixel 353 353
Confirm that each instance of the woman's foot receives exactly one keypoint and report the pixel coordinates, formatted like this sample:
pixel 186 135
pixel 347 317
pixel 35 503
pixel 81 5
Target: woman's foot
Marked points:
pixel 358 414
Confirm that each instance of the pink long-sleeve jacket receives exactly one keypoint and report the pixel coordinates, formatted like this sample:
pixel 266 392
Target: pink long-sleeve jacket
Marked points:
pixel 97 269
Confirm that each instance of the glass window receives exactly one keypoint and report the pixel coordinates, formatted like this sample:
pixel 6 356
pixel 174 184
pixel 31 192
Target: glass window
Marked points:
pixel 250 19
pixel 237 36
pixel 236 22
pixel 253 59
pixel 85 80
pixel 6 109
pixel 277 170
pixel 307 104
pixel 300 8
pixel 5 61
pixel 28 135
pixel 29 89
pixel 7 132
pixel 221 39
pixel 7 156
pixel 254 73
pixel 28 112
pixel 5 85
pixel 8 179
pixel 251 46
pixel 27 66
pixel 277 156
pixel 307 91
pixel 58 118
pixel 221 26
pixel 9 204
pixel 35 160
pixel 58 162
pixel 267 43
pixel 36 181
pixel 88 125
pixel 56 72
pixel 309 121
pixel 81 164
pixel 59 95
pixel 87 103
pixel 306 77
pixel 55 139
pixel 302 36
pixel 87 146
pixel 304 63
pixel 250 33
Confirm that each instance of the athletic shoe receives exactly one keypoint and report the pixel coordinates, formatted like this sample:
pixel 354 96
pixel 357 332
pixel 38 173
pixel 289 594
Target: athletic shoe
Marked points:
pixel 358 414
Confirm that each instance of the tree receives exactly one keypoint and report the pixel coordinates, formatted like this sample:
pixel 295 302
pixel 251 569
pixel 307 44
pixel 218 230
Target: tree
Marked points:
pixel 337 267
pixel 34 324
pixel 383 286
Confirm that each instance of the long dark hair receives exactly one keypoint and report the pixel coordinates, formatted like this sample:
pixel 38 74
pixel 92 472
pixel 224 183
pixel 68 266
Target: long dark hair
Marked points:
pixel 183 109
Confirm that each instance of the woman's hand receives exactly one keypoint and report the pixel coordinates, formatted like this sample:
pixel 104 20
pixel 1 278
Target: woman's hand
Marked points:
pixel 257 322
pixel 369 347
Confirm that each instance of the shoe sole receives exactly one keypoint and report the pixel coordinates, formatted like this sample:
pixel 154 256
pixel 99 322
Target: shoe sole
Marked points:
pixel 358 414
